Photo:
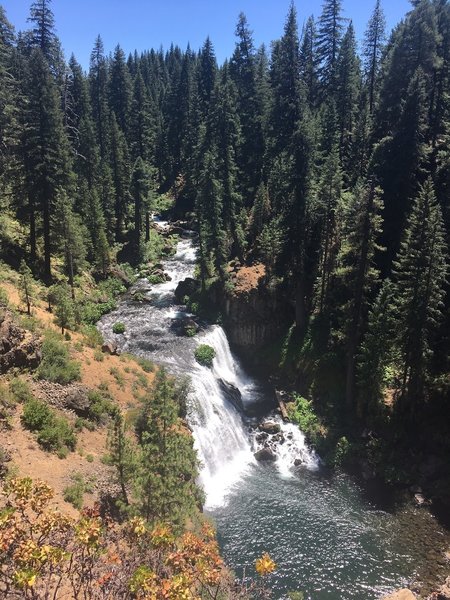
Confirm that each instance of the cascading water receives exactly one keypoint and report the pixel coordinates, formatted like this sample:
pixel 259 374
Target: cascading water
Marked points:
pixel 222 438
pixel 327 539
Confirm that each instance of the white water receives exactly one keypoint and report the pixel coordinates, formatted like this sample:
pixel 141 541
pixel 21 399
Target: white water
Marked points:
pixel 224 439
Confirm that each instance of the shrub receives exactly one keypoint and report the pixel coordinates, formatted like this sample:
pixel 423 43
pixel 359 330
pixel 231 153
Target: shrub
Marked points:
pixel 56 366
pixel 53 433
pixel 57 435
pixel 118 328
pixel 91 312
pixel 146 365
pixel 98 355
pixel 21 390
pixel 92 336
pixel 36 415
pixel 74 493
pixel 204 355
pixel 155 279
pixel 100 407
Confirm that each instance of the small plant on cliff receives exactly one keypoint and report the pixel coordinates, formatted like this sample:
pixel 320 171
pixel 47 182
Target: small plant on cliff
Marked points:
pixel 56 365
pixel 118 328
pixel 204 355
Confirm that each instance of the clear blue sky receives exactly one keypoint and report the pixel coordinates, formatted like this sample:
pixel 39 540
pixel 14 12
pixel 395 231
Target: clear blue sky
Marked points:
pixel 145 24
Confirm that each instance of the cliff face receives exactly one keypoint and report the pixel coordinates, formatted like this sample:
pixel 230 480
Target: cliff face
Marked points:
pixel 254 314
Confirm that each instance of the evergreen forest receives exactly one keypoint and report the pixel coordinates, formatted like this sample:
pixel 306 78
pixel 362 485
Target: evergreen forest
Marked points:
pixel 325 160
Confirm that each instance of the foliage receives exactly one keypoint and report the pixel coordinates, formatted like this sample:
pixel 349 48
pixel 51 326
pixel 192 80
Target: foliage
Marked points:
pixel 53 432
pixel 21 390
pixel 56 365
pixel 204 355
pixel 100 406
pixel 50 553
pixel 118 328
pixel 92 336
pixel 74 492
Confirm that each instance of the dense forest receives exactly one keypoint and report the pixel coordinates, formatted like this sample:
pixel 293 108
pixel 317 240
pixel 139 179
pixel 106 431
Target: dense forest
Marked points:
pixel 325 162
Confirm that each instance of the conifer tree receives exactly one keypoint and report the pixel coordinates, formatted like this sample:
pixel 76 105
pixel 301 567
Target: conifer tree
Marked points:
pixel 69 233
pixel 47 166
pixel 375 354
pixel 139 190
pixel 120 91
pixel 26 285
pixel 309 67
pixel 122 455
pixel 168 467
pixel 329 35
pixel 243 73
pixel 372 51
pixel 98 84
pixel 419 278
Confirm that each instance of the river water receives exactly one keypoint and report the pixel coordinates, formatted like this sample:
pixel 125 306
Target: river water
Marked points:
pixel 327 537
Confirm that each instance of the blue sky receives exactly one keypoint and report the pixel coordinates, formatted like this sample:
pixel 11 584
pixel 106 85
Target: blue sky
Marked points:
pixel 145 24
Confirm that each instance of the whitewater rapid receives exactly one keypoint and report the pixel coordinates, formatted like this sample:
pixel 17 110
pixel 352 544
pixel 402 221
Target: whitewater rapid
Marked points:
pixel 225 438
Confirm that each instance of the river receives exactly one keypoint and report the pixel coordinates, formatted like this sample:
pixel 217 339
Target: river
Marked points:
pixel 328 538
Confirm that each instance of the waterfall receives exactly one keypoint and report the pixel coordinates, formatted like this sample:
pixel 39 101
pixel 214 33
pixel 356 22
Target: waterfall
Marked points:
pixel 224 438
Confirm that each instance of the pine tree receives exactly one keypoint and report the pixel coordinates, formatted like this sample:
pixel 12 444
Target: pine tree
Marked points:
pixel 419 278
pixel 329 35
pixel 372 51
pixel 243 73
pixel 166 489
pixel 98 84
pixel 120 171
pixel 207 71
pixel 43 34
pixel 139 190
pixel 348 87
pixel 47 163
pixel 26 285
pixel 69 233
pixel 309 67
pixel 375 354
pixel 122 455
pixel 120 91
pixel 286 86
pixel 64 309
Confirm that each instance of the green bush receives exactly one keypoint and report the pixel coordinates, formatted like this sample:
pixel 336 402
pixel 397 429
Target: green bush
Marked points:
pixel 91 311
pixel 343 452
pixel 57 435
pixel 74 493
pixel 56 365
pixel 98 355
pixel 118 328
pixel 204 355
pixel 92 336
pixel 53 433
pixel 146 365
pixel 155 279
pixel 21 390
pixel 100 407
pixel 36 415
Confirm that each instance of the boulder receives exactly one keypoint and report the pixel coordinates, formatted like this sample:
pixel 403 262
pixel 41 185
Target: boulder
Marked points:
pixel 262 437
pixel 298 462
pixel 77 400
pixel 110 348
pixel 187 287
pixel 18 347
pixel 232 394
pixel 270 427
pixel 401 595
pixel 265 454
pixel 444 591
pixel 421 500
pixel 190 325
